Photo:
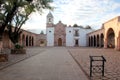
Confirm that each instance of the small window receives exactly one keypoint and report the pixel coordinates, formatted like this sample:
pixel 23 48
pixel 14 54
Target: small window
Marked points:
pixel 49 31
pixel 50 20
pixel 69 31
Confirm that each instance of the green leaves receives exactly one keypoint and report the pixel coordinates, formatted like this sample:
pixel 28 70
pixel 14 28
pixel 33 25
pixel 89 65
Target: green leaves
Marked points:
pixel 16 12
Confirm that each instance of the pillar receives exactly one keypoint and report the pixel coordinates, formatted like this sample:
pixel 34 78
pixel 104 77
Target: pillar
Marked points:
pixel 117 43
pixel 105 43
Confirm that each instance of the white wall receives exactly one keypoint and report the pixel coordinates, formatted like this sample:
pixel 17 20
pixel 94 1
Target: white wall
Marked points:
pixel 83 36
pixel 69 36
pixel 50 36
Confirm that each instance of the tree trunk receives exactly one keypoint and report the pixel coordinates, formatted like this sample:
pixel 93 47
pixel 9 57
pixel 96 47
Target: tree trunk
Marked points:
pixel 1 44
pixel 1 47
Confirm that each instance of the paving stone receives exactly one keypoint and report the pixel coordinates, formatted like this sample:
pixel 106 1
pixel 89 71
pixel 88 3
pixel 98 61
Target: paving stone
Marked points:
pixel 52 64
pixel 112 66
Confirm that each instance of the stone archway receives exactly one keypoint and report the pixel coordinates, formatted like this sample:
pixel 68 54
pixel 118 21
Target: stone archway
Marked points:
pixel 32 41
pixel 94 41
pixel 98 41
pixel 110 38
pixel 89 42
pixel 102 40
pixel 59 42
pixel 27 41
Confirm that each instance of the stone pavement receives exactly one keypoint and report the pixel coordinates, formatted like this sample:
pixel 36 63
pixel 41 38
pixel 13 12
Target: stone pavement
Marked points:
pixel 14 58
pixel 112 66
pixel 52 64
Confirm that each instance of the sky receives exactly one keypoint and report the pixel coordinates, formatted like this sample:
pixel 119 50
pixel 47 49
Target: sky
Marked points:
pixel 81 12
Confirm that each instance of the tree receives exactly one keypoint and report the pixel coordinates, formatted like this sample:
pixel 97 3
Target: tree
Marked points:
pixel 75 25
pixel 16 13
pixel 42 32
pixel 81 26
pixel 88 27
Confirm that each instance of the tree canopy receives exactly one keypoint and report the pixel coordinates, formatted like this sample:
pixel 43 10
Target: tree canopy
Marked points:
pixel 16 13
pixel 41 32
pixel 75 25
pixel 88 27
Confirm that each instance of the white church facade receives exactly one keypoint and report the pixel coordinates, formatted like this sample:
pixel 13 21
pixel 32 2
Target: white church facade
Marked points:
pixel 62 35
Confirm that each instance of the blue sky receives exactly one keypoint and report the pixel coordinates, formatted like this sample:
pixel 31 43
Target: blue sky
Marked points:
pixel 81 12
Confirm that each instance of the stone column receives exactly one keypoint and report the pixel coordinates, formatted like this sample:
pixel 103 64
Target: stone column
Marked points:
pixel 1 46
pixel 105 43
pixel 116 43
pixel 28 41
pixel 100 42
pixel 118 39
pixel 96 41
pixel 24 42
pixel 93 41
pixel 90 42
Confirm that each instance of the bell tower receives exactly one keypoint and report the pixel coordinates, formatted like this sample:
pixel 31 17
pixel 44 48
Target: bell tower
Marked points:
pixel 49 20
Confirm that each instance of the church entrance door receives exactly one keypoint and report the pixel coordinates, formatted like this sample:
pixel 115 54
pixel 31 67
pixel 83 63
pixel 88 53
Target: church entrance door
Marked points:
pixel 59 42
pixel 76 42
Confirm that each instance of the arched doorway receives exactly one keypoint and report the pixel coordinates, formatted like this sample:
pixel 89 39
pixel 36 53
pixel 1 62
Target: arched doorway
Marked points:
pixel 102 40
pixel 76 42
pixel 94 41
pixel 30 41
pixel 98 41
pixel 91 41
pixel 59 42
pixel 26 40
pixel 110 38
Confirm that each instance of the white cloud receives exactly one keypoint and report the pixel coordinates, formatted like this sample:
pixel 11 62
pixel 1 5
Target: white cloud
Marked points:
pixel 82 12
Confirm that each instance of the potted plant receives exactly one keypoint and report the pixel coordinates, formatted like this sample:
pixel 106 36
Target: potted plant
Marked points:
pixel 18 49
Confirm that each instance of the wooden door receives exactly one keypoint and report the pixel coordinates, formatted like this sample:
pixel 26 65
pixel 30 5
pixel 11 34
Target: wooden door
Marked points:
pixel 59 42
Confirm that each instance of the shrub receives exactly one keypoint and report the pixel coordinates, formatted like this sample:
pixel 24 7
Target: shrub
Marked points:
pixel 18 46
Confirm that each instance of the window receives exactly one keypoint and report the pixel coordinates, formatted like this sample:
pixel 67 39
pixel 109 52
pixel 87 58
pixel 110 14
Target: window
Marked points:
pixel 49 31
pixel 76 33
pixel 69 31
pixel 50 20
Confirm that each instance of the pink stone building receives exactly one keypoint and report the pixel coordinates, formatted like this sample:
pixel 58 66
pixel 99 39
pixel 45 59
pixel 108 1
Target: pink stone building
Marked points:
pixel 108 36
pixel 60 34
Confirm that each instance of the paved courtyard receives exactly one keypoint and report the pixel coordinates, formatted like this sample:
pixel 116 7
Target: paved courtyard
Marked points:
pixel 59 63
pixel 53 63
pixel 112 66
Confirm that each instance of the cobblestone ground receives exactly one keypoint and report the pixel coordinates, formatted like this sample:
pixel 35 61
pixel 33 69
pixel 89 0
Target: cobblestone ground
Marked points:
pixel 112 65
pixel 14 58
